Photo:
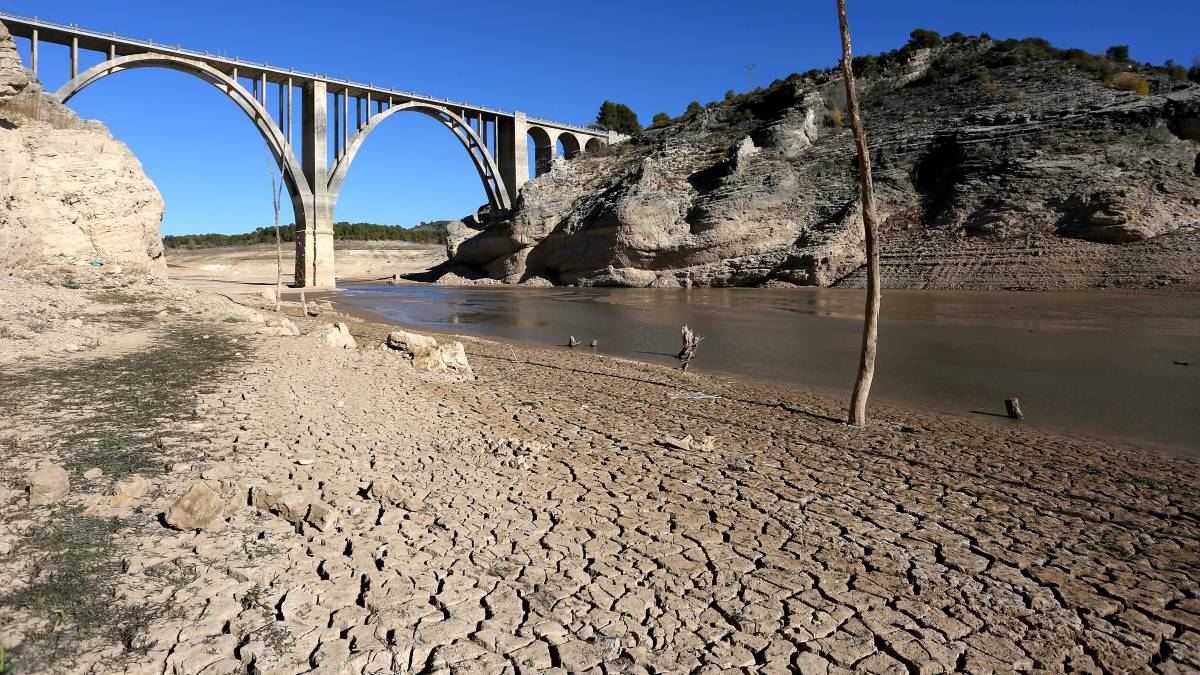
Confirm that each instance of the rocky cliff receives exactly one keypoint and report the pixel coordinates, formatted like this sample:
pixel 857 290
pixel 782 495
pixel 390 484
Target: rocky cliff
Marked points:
pixel 998 165
pixel 69 192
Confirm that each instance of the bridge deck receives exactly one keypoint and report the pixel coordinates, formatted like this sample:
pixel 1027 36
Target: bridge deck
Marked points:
pixel 95 41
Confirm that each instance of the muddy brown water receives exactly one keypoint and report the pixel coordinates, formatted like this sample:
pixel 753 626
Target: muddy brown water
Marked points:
pixel 1103 363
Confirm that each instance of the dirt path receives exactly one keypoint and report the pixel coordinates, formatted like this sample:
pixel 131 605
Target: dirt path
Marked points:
pixel 541 519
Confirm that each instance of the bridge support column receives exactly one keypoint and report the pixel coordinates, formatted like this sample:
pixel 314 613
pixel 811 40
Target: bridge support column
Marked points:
pixel 314 222
pixel 512 149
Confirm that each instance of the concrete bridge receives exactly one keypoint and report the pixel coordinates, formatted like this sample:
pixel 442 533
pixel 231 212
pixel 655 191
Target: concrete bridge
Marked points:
pixel 497 141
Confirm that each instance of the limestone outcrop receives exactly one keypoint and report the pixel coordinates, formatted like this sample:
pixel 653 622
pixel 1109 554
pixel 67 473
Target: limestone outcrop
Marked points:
pixel 69 192
pixel 1035 175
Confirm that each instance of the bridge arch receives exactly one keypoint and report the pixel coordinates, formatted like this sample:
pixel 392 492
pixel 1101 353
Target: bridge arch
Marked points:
pixel 592 145
pixel 543 149
pixel 571 147
pixel 481 157
pixel 276 140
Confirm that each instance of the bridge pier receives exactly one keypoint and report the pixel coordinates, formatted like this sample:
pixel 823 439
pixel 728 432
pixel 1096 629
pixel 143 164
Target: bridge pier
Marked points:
pixel 512 150
pixel 314 216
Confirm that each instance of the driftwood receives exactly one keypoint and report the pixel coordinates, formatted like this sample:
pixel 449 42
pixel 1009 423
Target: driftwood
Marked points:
pixel 1014 408
pixel 690 342
pixel 572 342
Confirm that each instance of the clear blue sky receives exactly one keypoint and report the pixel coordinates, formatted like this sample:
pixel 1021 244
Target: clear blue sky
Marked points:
pixel 550 59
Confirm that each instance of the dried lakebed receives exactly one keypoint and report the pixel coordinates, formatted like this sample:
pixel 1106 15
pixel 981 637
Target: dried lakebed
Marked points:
pixel 1109 364
pixel 538 519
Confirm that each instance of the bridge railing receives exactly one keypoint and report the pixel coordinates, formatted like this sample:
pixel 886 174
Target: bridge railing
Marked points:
pixel 278 71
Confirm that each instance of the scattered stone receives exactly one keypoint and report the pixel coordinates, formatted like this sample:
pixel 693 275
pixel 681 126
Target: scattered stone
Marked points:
pixel 48 484
pixel 268 294
pixel 93 473
pixel 684 443
pixel 132 486
pixel 293 507
pixel 406 341
pixel 196 509
pixel 264 498
pixel 339 337
pixel 450 358
pixel 322 516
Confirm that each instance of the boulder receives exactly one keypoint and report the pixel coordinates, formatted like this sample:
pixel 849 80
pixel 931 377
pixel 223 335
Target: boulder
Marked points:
pixel 450 358
pixel 268 294
pixel 196 509
pixel 339 337
pixel 48 484
pixel 93 473
pixel 406 341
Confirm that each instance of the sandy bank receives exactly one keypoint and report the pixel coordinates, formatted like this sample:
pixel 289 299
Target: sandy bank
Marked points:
pixel 239 268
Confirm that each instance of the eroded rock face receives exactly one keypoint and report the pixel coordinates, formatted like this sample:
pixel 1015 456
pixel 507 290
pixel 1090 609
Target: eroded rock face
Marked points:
pixel 1050 180
pixel 71 192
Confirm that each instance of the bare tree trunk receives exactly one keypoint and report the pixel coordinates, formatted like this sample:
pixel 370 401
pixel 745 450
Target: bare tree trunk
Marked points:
pixel 870 336
pixel 276 200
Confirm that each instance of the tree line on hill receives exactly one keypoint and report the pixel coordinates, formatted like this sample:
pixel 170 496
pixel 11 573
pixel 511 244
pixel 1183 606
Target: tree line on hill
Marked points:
pixel 433 232
pixel 1113 66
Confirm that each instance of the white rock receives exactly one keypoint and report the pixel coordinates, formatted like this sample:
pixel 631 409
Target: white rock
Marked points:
pixel 48 484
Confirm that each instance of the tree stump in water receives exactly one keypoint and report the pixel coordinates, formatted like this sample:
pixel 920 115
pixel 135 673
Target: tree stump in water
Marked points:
pixel 690 342
pixel 1014 408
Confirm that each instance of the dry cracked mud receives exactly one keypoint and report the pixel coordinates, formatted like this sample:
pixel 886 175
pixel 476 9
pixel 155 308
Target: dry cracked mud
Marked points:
pixel 546 517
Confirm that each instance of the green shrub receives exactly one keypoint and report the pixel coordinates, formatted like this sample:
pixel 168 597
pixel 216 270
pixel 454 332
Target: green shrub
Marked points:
pixel 1117 53
pixel 1194 71
pixel 618 117
pixel 1176 72
pixel 661 119
pixel 693 108
pixel 922 38
pixel 865 66
pixel 1129 82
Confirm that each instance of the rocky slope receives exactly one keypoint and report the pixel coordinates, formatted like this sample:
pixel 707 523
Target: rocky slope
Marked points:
pixel 1028 175
pixel 69 192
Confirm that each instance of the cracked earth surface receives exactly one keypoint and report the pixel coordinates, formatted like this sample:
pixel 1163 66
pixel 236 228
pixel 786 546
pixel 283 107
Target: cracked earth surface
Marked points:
pixel 538 519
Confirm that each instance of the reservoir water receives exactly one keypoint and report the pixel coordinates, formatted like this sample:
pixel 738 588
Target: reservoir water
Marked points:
pixel 1116 365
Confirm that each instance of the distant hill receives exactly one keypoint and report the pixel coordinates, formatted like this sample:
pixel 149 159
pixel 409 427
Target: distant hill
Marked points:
pixel 433 232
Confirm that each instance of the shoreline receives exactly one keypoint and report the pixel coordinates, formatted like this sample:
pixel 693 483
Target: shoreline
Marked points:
pixel 989 420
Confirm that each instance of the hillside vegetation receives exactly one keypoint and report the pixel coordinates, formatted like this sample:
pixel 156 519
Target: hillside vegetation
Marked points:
pixel 433 232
